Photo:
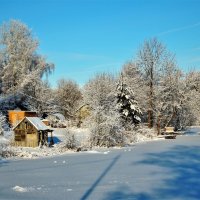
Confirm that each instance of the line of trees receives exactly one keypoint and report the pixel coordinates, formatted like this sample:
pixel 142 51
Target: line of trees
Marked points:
pixel 150 89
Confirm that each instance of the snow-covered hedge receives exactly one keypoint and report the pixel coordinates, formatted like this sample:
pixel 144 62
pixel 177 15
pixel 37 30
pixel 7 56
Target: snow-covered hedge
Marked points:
pixel 5 148
pixel 70 141
pixel 139 134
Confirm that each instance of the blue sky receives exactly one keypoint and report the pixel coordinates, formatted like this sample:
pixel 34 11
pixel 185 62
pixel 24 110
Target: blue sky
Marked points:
pixel 83 37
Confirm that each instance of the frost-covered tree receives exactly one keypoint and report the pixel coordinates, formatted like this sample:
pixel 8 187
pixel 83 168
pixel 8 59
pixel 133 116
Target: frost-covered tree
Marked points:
pixel 40 97
pixel 20 64
pixel 18 55
pixel 132 77
pixel 106 127
pixel 127 104
pixel 68 96
pixel 104 120
pixel 152 56
pixel 169 96
pixel 192 93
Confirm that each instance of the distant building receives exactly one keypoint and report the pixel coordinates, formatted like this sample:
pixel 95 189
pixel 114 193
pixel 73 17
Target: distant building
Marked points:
pixel 15 116
pixel 31 132
pixel 57 120
pixel 46 122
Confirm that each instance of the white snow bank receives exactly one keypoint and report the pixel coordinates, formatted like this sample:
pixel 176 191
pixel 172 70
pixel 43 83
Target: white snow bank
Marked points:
pixel 93 151
pixel 37 152
pixel 97 152
pixel 22 189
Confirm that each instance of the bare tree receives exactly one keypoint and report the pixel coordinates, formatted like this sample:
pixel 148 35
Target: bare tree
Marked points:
pixel 39 97
pixel 150 60
pixel 192 93
pixel 169 95
pixel 68 96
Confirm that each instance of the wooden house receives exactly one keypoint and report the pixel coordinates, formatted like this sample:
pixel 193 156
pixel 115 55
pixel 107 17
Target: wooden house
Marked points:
pixel 31 132
pixel 15 116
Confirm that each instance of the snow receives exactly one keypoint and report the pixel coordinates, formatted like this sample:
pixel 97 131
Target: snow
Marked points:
pixel 127 175
pixel 93 151
pixel 22 189
pixel 59 134
pixel 39 125
pixel 97 152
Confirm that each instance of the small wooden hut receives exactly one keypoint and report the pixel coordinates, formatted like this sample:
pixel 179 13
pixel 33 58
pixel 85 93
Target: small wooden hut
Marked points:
pixel 31 132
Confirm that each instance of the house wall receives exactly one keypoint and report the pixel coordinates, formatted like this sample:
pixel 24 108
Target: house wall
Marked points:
pixel 16 116
pixel 26 135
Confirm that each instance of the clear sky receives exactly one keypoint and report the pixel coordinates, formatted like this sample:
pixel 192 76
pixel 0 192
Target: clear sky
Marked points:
pixel 83 37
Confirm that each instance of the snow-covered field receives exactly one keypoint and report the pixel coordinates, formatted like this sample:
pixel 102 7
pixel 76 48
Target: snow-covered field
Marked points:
pixel 81 136
pixel 165 169
pixel 59 136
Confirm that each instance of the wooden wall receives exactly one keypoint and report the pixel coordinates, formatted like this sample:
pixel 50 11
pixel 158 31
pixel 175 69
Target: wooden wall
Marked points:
pixel 26 135
pixel 16 116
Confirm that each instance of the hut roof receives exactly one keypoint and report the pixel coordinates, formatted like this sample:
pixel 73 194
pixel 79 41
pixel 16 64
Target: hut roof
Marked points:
pixel 36 122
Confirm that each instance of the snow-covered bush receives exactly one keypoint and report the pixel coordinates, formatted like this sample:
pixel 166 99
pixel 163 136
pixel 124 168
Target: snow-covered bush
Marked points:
pixel 105 128
pixel 139 134
pixel 5 148
pixel 104 120
pixel 70 141
pixel 2 123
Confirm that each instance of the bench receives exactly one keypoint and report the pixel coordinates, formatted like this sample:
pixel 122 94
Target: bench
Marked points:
pixel 169 133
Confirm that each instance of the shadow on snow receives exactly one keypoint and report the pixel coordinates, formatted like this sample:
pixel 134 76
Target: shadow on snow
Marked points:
pixel 95 184
pixel 183 182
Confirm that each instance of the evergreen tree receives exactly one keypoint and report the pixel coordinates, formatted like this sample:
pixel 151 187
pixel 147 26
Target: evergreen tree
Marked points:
pixel 127 104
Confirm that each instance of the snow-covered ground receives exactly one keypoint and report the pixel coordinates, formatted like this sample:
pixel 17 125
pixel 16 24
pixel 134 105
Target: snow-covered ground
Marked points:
pixel 166 169
pixel 81 135
pixel 193 130
pixel 57 149
pixel 59 136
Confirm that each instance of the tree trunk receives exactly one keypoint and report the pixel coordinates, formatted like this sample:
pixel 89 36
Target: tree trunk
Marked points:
pixel 158 124
pixel 150 111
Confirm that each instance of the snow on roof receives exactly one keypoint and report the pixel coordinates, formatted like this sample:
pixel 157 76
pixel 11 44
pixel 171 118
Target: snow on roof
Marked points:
pixel 36 122
pixel 39 125
pixel 59 116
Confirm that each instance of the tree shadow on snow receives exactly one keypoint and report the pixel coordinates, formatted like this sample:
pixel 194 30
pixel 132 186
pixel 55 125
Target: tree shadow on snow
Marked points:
pixel 123 193
pixel 96 183
pixel 183 165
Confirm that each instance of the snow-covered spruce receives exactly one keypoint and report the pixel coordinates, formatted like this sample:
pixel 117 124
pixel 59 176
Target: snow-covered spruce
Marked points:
pixel 127 104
